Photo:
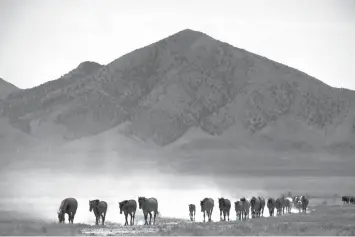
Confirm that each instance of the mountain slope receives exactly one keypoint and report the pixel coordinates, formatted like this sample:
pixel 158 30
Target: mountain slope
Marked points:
pixel 191 82
pixel 6 88
pixel 27 108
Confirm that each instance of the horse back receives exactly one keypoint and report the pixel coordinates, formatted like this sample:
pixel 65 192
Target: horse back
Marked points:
pixel 69 205
pixel 130 206
pixel 102 207
pixel 151 204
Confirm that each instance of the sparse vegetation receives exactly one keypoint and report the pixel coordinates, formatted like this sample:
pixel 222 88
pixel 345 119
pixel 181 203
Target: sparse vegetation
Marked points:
pixel 324 220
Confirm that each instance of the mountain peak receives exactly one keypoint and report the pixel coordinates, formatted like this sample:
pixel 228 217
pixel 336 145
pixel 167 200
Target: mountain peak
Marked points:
pixel 188 33
pixel 89 66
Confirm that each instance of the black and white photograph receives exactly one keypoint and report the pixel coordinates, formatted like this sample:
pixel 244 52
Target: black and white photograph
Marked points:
pixel 177 117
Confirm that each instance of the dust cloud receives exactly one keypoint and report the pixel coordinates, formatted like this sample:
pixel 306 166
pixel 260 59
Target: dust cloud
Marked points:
pixel 40 192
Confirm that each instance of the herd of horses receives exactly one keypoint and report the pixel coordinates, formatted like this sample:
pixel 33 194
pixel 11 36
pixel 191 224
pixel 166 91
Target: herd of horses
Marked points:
pixel 243 207
pixel 255 206
pixel 348 199
pixel 128 207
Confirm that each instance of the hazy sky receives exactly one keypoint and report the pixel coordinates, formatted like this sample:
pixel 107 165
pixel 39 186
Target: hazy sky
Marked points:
pixel 41 40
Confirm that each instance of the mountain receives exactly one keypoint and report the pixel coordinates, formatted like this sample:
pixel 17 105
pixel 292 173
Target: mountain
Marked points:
pixel 27 109
pixel 6 88
pixel 190 92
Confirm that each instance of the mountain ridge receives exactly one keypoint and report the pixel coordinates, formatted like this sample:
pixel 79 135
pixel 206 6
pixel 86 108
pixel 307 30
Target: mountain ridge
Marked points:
pixel 186 81
pixel 6 88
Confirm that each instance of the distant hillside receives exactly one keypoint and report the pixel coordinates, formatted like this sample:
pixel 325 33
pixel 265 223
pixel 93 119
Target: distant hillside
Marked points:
pixel 26 109
pixel 6 88
pixel 191 92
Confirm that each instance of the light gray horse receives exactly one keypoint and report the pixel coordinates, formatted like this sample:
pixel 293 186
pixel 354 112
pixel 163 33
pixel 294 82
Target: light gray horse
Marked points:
pixel 207 205
pixel 99 208
pixel 128 207
pixel 67 206
pixel 262 206
pixel 238 206
pixel 288 204
pixel 297 203
pixel 192 211
pixel 255 207
pixel 148 205
pixel 271 206
pixel 224 207
pixel 246 208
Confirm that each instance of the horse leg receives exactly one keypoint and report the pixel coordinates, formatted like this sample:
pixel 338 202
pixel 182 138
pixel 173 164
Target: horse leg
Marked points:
pixel 125 216
pixel 204 216
pixel 103 218
pixel 145 218
pixel 134 217
pixel 155 215
pixel 150 218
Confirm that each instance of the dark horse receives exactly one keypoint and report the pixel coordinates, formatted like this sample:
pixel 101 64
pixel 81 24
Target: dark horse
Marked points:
pixel 99 208
pixel 67 206
pixel 128 207
pixel 148 205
